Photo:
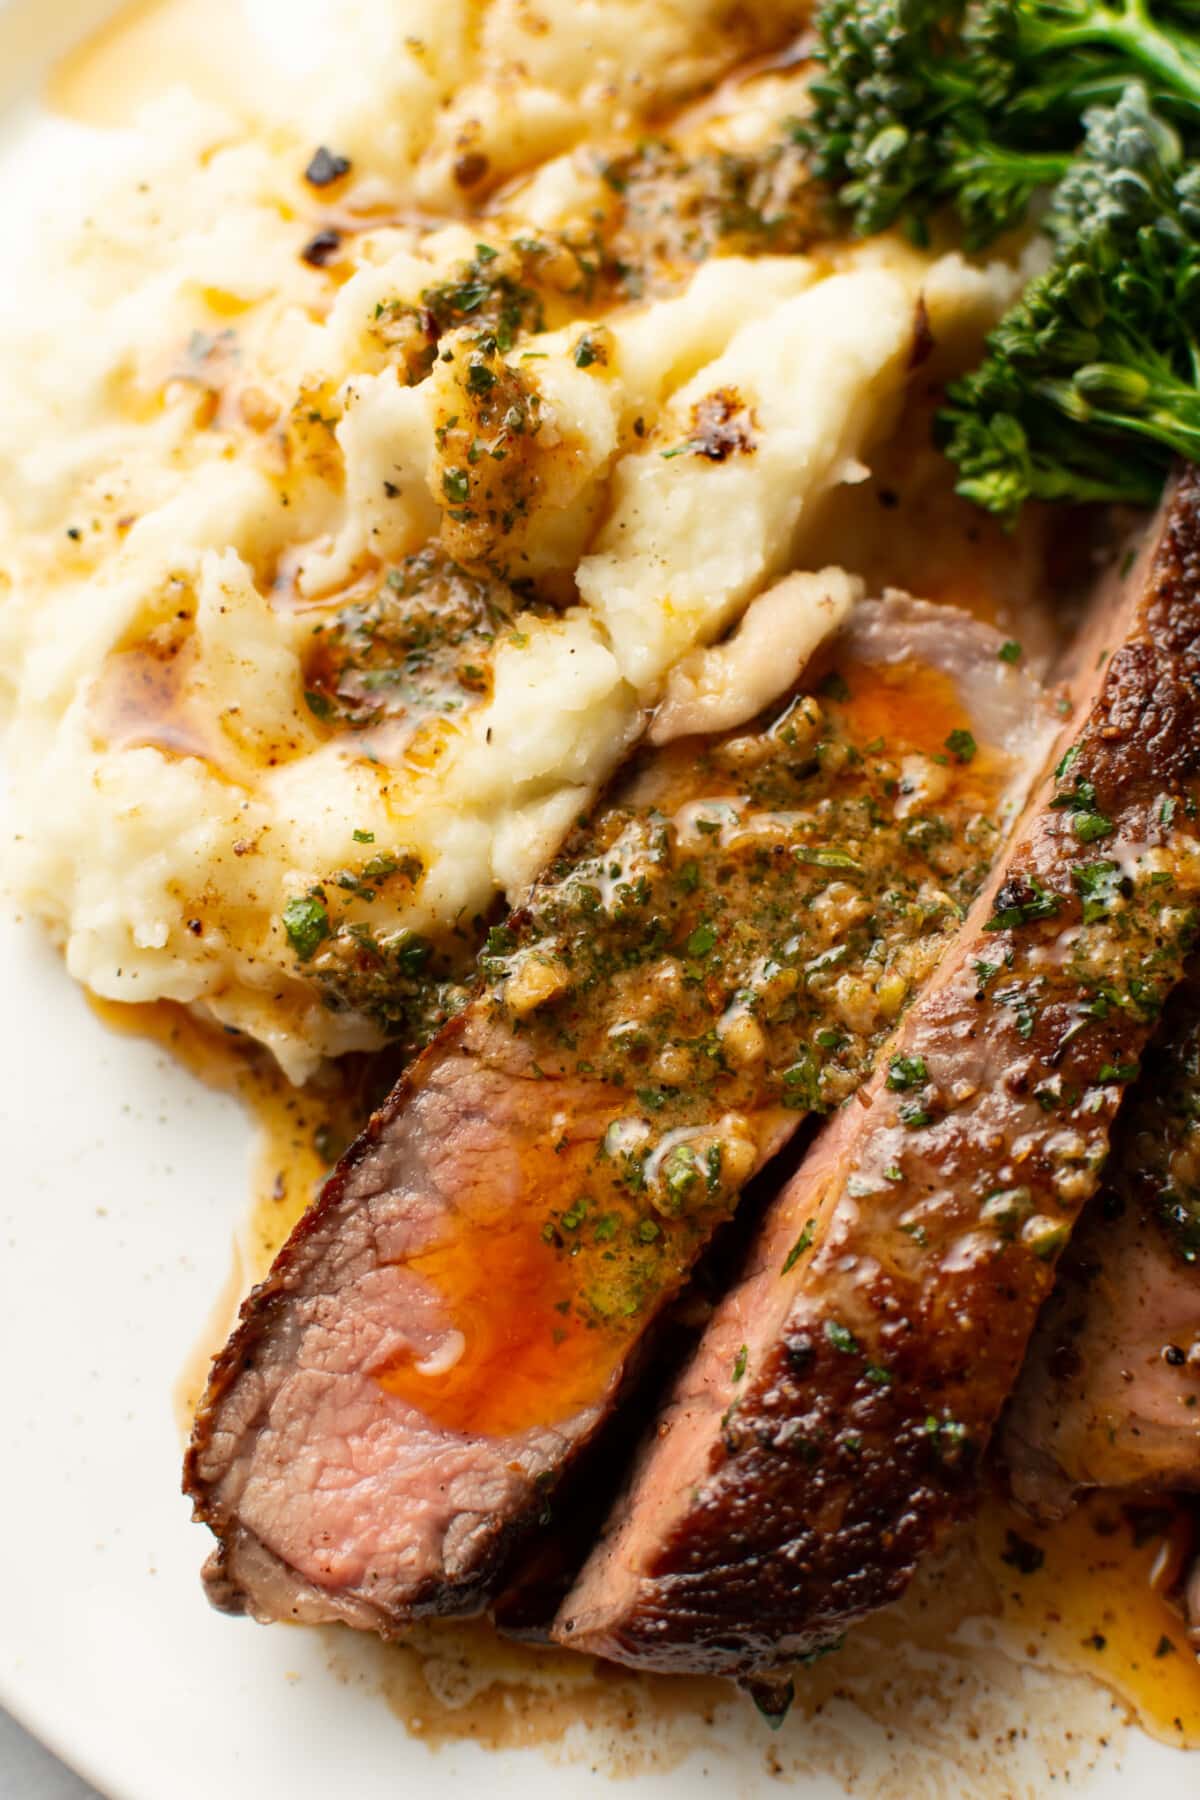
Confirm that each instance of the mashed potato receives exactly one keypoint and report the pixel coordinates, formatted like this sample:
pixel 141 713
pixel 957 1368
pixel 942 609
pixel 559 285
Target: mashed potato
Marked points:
pixel 351 526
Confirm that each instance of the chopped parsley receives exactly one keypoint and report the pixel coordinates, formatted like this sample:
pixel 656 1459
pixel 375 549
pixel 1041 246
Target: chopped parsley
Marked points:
pixel 1118 1072
pixel 906 1072
pixel 841 1337
pixel 1089 826
pixel 946 1435
pixel 914 1115
pixel 802 1243
pixel 702 940
pixel 1098 885
pixel 306 923
pixel 1088 822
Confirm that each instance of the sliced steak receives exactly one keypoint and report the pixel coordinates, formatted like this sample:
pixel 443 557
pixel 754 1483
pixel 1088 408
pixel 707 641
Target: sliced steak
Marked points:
pixel 833 1418
pixel 1110 1392
pixel 714 957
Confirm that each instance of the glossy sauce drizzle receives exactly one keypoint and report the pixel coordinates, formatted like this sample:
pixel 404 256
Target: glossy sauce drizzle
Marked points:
pixel 905 705
pixel 1098 1592
pixel 141 699
pixel 519 1352
pixel 567 1226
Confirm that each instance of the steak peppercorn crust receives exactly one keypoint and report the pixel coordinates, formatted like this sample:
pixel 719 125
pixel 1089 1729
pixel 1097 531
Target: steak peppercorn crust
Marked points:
pixel 831 1424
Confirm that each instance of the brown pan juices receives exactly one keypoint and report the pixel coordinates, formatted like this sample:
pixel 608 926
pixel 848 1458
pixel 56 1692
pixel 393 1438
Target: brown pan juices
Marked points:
pixel 1100 1591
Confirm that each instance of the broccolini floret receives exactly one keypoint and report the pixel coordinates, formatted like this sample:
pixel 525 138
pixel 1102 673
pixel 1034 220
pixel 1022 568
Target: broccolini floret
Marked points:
pixel 1091 383
pixel 976 104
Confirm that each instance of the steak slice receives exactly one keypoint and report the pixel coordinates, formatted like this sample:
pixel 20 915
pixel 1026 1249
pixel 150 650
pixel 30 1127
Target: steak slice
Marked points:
pixel 1110 1392
pixel 831 1423
pixel 716 955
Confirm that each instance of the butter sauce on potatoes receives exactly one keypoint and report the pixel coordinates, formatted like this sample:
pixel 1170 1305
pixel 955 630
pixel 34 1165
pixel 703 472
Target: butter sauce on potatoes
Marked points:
pixel 267 402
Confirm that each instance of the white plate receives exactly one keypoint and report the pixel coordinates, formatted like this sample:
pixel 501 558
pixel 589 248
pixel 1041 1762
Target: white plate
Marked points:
pixel 125 1183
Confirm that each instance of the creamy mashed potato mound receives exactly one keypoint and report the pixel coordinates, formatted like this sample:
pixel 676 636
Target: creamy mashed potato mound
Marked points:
pixel 351 526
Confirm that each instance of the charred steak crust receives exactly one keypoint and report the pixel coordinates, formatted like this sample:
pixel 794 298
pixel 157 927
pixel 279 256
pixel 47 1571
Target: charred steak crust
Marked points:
pixel 805 1484
pixel 1109 1394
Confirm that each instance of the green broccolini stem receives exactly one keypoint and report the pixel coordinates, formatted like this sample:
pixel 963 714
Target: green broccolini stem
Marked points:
pixel 1091 383
pixel 1171 418
pixel 1169 59
pixel 990 165
pixel 1041 170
